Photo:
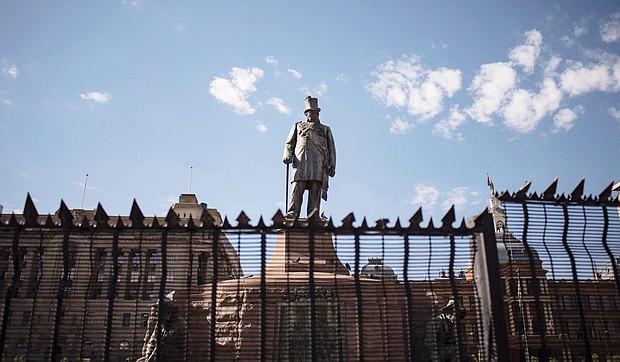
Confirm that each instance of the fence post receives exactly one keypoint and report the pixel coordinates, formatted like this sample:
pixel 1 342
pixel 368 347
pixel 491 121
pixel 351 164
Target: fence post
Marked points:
pixel 489 285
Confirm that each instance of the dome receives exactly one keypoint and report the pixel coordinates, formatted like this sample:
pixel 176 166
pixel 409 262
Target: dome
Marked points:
pixel 509 248
pixel 375 268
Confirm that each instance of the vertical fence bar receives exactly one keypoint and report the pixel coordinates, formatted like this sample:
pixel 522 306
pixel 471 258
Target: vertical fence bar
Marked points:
pixel 162 290
pixel 486 268
pixel 11 289
pixel 358 297
pixel 263 295
pixel 409 331
pixel 457 302
pixel 214 279
pixel 612 257
pixel 62 285
pixel 111 294
pixel 540 316
pixel 573 266
pixel 312 293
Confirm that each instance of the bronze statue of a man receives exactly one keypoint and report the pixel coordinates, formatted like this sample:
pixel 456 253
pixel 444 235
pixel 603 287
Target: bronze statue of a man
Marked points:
pixel 310 148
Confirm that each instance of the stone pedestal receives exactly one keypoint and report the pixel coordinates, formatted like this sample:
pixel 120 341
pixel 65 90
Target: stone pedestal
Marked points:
pixel 293 253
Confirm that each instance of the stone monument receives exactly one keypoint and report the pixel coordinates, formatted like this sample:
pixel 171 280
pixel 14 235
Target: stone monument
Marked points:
pixel 311 150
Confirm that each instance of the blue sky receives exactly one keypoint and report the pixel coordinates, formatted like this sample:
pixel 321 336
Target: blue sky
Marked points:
pixel 424 100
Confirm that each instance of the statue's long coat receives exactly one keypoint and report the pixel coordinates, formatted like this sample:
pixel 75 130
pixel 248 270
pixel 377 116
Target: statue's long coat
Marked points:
pixel 314 152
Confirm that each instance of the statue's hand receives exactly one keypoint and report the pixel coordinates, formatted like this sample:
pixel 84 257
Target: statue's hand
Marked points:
pixel 331 171
pixel 287 159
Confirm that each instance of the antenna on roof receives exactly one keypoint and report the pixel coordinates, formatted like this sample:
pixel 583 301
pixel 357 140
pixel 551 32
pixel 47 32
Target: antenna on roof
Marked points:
pixel 190 180
pixel 84 192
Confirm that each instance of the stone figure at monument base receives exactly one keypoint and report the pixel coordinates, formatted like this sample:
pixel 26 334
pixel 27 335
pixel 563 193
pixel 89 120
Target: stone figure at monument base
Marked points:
pixel 441 340
pixel 170 345
pixel 311 150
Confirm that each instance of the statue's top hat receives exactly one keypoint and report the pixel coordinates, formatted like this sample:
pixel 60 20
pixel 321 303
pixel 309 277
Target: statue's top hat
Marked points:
pixel 312 104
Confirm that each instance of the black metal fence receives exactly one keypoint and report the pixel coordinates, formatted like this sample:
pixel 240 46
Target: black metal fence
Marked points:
pixel 533 277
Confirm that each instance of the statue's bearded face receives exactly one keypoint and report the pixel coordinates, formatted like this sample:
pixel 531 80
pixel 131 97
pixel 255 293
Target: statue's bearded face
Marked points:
pixel 312 116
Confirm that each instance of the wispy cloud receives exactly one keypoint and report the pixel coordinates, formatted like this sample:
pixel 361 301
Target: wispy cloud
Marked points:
pixel 615 112
pixel 6 102
pixel 260 126
pixel 234 91
pixel 425 195
pixel 271 60
pixel 447 127
pixel 342 78
pixel 318 91
pixel 610 29
pixel 400 126
pixel 279 105
pixel 95 98
pixel 526 109
pixel 490 87
pixel 526 54
pixel 295 73
pixel 24 175
pixel 409 85
pixel 461 197
pixel 578 78
pixel 133 3
pixel 564 119
pixel 10 71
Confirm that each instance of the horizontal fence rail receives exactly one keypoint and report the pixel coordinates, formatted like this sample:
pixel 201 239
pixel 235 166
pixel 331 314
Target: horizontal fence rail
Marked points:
pixel 89 287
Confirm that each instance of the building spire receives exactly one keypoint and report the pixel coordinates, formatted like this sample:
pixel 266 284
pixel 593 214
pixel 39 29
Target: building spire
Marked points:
pixel 498 213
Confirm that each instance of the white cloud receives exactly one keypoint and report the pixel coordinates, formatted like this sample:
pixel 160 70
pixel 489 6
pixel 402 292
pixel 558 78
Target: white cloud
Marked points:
pixel 525 109
pixel 447 126
pixel 610 30
pixel 11 71
pixel 133 3
pixel 295 73
pixel 400 126
pixel 409 85
pixel 614 112
pixel 552 66
pixel 271 60
pixel 459 197
pixel 7 102
pixel 261 127
pixel 564 119
pixel 319 91
pixel 279 105
pixel 490 87
pixel 342 78
pixel 234 91
pixel 526 54
pixel 578 78
pixel 24 175
pixel 425 196
pixel 579 30
pixel 94 98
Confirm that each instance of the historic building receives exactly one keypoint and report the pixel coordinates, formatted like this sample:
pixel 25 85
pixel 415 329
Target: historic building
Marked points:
pixel 84 288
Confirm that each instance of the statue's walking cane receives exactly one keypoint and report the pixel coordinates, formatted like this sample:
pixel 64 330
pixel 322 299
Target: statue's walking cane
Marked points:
pixel 286 188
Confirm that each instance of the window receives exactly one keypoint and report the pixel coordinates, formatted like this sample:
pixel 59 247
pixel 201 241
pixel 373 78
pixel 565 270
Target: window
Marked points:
pixel 152 257
pixel 565 330
pixel 560 300
pixel 124 345
pixel 611 302
pixel 170 275
pixel 598 300
pixel 144 319
pixel 101 256
pixel 150 277
pixel 135 257
pixel 26 317
pixel 132 293
pixel 100 275
pixel 72 257
pixel 134 276
pixel 573 302
pixel 585 302
pixel 126 319
pixel 514 287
